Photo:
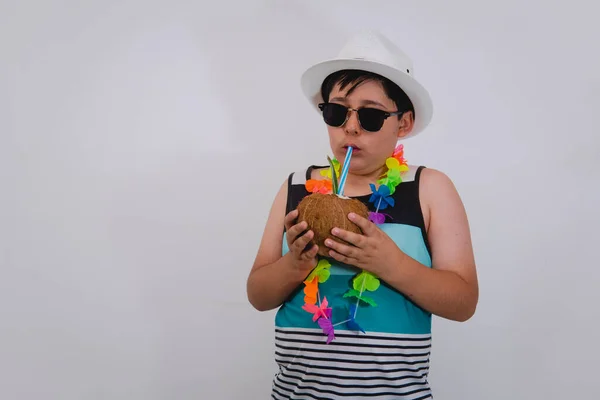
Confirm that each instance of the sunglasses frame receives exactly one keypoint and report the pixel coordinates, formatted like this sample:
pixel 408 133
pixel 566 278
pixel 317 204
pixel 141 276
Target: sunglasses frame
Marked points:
pixel 386 115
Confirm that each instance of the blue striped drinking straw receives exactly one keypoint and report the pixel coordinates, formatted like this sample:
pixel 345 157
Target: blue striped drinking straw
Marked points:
pixel 344 173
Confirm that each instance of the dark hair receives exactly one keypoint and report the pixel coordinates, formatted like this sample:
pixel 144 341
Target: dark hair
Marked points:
pixel 355 77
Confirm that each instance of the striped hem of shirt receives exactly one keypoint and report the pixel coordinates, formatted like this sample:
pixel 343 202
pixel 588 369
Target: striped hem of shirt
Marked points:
pixel 366 366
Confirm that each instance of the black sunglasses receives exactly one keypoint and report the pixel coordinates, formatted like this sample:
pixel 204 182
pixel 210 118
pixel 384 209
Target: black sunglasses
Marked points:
pixel 370 119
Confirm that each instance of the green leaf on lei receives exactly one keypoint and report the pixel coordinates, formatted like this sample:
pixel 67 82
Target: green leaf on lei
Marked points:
pixel 356 294
pixel 321 270
pixel 365 281
pixel 392 179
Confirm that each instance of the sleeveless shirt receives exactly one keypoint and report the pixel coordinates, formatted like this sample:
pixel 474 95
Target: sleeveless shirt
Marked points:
pixel 391 359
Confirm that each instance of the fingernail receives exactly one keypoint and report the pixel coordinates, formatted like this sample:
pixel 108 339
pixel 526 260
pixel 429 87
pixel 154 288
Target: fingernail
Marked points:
pixel 351 215
pixel 335 231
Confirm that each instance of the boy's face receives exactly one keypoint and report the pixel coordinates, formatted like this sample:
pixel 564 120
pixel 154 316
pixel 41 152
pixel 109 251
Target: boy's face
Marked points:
pixel 371 149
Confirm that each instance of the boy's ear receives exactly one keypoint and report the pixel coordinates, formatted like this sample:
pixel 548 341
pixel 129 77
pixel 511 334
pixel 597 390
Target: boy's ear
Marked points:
pixel 407 123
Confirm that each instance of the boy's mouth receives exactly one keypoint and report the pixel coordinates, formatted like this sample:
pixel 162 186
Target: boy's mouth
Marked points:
pixel 354 147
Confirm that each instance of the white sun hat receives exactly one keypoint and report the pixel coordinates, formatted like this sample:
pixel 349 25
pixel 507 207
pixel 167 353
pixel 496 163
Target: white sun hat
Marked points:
pixel 371 51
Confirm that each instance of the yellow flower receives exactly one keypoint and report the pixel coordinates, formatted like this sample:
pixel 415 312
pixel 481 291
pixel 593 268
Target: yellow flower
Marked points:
pixel 393 163
pixel 327 172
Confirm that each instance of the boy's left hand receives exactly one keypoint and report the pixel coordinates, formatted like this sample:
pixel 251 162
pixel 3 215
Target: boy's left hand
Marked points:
pixel 373 251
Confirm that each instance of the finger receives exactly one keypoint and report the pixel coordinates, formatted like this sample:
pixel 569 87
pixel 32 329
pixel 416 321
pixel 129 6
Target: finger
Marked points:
pixel 300 244
pixel 312 253
pixel 290 219
pixel 364 224
pixel 296 230
pixel 350 237
pixel 342 258
pixel 342 249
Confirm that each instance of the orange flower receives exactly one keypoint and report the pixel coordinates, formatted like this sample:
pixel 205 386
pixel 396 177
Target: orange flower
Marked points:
pixel 310 291
pixel 398 151
pixel 322 186
pixel 399 154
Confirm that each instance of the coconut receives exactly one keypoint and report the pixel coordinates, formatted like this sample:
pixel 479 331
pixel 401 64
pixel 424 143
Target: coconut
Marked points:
pixel 323 212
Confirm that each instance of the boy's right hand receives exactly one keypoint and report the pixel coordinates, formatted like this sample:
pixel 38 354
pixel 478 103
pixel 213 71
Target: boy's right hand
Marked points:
pixel 303 259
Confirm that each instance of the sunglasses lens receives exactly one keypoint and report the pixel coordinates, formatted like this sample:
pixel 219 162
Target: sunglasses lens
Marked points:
pixel 371 119
pixel 334 114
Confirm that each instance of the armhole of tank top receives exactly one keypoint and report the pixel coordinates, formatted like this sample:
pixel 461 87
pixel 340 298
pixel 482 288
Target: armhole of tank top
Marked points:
pixel 421 217
pixel 288 199
pixel 310 169
pixel 308 175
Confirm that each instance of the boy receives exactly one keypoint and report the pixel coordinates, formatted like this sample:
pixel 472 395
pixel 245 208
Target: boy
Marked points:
pixel 367 334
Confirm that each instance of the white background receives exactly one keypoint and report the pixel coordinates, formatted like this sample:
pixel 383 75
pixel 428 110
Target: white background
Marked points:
pixel 132 133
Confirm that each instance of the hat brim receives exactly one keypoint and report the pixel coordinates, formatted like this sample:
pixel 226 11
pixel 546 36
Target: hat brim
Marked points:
pixel 313 78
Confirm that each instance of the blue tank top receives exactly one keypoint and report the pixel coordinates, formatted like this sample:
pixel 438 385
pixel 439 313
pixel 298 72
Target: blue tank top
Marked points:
pixel 390 359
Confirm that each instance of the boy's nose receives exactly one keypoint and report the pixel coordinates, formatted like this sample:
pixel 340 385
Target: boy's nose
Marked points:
pixel 352 126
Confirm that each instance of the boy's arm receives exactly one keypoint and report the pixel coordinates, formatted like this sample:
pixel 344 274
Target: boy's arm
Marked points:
pixel 273 277
pixel 449 289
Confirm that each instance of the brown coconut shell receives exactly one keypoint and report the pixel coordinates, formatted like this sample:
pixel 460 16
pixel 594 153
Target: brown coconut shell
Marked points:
pixel 323 212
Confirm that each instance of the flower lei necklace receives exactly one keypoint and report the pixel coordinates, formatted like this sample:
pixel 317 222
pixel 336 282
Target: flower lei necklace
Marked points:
pixel 382 197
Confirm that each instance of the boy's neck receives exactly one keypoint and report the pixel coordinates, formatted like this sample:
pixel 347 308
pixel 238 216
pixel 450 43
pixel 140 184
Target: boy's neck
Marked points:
pixel 358 184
